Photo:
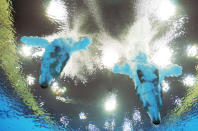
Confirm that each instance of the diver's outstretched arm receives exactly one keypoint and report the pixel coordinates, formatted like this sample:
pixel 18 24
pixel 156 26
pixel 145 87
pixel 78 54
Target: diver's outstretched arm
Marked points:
pixel 81 44
pixel 171 71
pixel 34 41
pixel 124 69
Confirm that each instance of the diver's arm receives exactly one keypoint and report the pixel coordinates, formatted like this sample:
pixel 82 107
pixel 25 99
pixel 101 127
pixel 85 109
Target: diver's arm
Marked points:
pixel 81 44
pixel 124 69
pixel 34 41
pixel 171 71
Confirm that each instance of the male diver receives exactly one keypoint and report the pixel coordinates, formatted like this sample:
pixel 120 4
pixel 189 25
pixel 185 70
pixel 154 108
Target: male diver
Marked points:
pixel 56 55
pixel 148 79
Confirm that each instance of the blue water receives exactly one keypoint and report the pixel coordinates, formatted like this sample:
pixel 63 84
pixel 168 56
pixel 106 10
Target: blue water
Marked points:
pixel 16 116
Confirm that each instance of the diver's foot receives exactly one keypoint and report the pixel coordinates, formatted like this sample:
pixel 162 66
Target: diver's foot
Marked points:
pixel 156 122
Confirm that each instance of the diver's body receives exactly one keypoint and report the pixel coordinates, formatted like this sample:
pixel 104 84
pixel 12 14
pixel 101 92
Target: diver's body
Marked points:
pixel 148 78
pixel 56 55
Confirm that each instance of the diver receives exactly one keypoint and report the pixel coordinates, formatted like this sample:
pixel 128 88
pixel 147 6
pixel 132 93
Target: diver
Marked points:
pixel 56 55
pixel 148 79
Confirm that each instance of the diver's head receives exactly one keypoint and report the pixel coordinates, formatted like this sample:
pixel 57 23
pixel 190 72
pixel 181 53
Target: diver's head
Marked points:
pixel 43 83
pixel 157 122
pixel 44 80
pixel 154 114
pixel 44 86
pixel 140 58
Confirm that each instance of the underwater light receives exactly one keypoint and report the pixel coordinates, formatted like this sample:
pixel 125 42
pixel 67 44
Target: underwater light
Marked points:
pixel 189 80
pixel 165 10
pixel 110 103
pixel 192 51
pixel 110 57
pixel 30 79
pixel 57 10
pixel 82 116
pixel 165 86
pixel 26 50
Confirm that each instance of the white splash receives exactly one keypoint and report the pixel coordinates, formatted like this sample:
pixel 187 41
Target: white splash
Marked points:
pixel 110 57
pixel 65 121
pixel 162 56
pixel 38 54
pixel 161 9
pixel 138 38
pixel 62 99
pixel 106 51
pixel 165 86
pixel 192 51
pixel 92 127
pixel 109 125
pixel 82 116
pixel 136 116
pixel 57 89
pixel 127 125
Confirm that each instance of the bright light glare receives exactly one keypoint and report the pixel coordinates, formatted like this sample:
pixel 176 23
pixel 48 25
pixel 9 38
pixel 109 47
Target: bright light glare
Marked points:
pixel 165 10
pixel 192 51
pixel 26 50
pixel 127 126
pixel 30 79
pixel 110 103
pixel 57 10
pixel 110 57
pixel 136 116
pixel 162 56
pixel 165 86
pixel 56 89
pixel 82 116
pixel 189 80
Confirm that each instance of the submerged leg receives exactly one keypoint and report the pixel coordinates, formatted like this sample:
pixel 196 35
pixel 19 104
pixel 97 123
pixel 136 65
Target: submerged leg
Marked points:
pixel 151 101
